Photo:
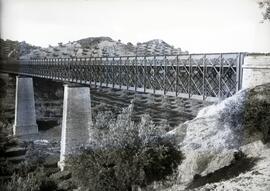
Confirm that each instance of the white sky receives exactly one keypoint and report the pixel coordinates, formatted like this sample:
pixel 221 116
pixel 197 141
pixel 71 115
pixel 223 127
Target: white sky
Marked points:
pixel 193 25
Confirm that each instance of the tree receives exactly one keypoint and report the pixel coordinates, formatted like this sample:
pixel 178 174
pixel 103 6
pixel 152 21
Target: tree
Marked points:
pixel 265 5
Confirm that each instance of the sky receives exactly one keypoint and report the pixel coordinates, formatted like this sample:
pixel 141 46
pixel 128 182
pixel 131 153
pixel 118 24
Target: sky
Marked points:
pixel 198 26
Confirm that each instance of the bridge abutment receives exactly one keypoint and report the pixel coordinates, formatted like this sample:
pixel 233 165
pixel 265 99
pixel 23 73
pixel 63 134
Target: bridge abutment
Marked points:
pixel 76 120
pixel 25 113
pixel 256 70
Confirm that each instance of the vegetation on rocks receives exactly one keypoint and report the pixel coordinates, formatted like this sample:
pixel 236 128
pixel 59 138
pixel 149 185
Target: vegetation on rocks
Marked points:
pixel 34 181
pixel 27 175
pixel 257 111
pixel 265 6
pixel 123 155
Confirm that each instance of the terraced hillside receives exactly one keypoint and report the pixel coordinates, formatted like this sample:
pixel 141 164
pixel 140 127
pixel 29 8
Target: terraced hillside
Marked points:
pixel 14 50
pixel 88 47
pixel 169 111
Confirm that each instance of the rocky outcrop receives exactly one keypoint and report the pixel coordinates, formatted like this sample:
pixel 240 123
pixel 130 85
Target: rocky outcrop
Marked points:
pixel 222 132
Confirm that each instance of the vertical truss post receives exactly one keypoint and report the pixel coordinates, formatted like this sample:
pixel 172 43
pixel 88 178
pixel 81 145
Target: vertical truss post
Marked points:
pixel 47 68
pixel 120 72
pixel 54 65
pixel 136 73
pixel 71 65
pixel 75 69
pixel 101 71
pixel 107 71
pixel 69 70
pixel 51 68
pixel 41 66
pixel 239 71
pixel 62 68
pixel 164 75
pixel 176 75
pixel 89 68
pixel 48 73
pixel 57 68
pixel 204 74
pixel 33 69
pixel 189 77
pixel 37 68
pixel 79 74
pixel 144 74
pixel 85 70
pixel 65 68
pixel 219 76
pixel 113 65
pixel 95 65
pixel 44 68
pixel 127 63
pixel 154 66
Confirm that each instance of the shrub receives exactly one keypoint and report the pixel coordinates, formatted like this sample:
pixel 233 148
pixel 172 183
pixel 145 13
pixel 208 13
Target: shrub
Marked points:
pixel 257 111
pixel 123 154
pixel 29 167
pixel 34 181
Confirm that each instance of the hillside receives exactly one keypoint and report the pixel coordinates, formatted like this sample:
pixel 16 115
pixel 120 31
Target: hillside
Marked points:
pixel 88 47
pixel 15 49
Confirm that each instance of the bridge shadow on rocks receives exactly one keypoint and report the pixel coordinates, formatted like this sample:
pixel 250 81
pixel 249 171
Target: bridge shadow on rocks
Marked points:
pixel 168 111
pixel 164 110
pixel 241 164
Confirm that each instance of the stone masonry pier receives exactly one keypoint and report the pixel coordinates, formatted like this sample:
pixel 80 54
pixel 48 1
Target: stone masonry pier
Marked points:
pixel 25 113
pixel 76 119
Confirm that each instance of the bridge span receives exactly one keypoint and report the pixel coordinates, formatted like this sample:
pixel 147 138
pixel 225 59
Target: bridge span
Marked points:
pixel 200 76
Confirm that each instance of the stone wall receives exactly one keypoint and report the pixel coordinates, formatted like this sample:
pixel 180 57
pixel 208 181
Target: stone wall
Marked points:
pixel 256 70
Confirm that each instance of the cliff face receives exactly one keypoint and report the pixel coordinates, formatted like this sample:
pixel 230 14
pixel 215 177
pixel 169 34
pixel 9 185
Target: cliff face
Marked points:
pixel 224 136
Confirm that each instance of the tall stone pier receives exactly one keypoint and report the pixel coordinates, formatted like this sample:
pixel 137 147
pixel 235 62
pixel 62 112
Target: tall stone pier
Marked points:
pixel 256 70
pixel 76 120
pixel 25 114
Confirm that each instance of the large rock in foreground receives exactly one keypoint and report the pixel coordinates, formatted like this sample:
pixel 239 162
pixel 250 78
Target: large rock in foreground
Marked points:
pixel 219 133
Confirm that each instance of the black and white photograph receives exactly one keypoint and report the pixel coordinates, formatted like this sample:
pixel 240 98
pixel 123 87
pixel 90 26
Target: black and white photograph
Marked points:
pixel 135 95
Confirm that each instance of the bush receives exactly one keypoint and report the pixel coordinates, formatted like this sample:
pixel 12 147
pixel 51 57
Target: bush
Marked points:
pixel 34 181
pixel 123 154
pixel 257 111
pixel 23 172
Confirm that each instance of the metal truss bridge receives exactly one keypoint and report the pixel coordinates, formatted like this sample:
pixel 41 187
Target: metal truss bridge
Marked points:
pixel 200 76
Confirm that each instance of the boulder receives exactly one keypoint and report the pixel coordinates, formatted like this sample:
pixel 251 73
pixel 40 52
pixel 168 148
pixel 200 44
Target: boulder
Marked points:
pixel 211 140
